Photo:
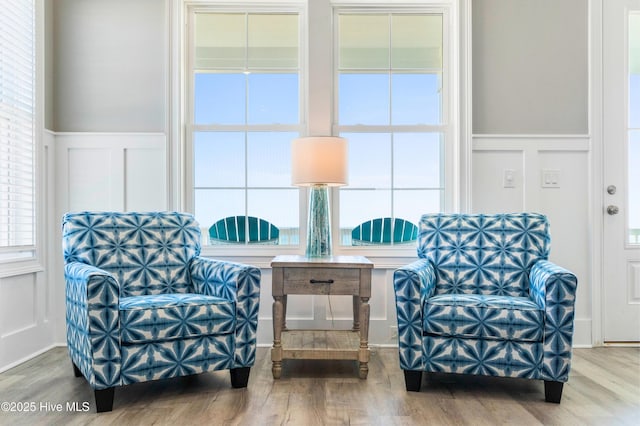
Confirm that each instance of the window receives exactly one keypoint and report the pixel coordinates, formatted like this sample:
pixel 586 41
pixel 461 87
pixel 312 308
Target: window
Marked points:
pixel 245 108
pixel 385 85
pixel 17 130
pixel 633 131
pixel 391 105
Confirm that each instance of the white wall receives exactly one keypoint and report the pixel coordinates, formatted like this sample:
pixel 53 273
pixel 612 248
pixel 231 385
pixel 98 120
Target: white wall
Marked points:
pixel 110 149
pixel 530 67
pixel 109 66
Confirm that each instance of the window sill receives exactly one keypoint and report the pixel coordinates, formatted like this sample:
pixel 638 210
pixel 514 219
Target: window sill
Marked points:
pixel 382 257
pixel 20 267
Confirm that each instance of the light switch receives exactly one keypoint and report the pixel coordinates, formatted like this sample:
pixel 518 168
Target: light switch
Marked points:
pixel 550 178
pixel 509 178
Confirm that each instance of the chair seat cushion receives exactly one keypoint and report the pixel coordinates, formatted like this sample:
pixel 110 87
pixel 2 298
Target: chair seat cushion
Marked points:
pixel 163 317
pixel 480 316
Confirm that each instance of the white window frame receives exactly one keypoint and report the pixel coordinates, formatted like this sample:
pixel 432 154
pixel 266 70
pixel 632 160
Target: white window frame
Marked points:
pixel 450 110
pixel 20 260
pixel 317 102
pixel 298 7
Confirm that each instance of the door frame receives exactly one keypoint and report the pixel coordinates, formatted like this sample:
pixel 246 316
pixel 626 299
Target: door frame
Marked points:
pixel 597 170
pixel 596 190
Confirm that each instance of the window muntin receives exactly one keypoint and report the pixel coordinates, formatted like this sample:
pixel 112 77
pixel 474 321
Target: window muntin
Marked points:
pixel 246 110
pixel 390 106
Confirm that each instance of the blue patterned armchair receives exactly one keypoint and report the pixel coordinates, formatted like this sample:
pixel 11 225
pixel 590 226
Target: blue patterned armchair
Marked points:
pixel 483 299
pixel 142 305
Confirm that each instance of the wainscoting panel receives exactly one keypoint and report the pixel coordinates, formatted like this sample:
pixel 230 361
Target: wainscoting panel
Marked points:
pixel 16 317
pixel 91 183
pixel 491 169
pixel 144 176
pixel 24 329
pixel 111 171
pixel 551 177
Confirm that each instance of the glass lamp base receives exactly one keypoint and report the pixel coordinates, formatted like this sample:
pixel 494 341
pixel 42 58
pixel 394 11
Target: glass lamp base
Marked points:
pixel 319 224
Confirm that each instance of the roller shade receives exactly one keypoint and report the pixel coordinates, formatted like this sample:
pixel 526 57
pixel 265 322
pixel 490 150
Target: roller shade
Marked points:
pixel 388 41
pixel 245 41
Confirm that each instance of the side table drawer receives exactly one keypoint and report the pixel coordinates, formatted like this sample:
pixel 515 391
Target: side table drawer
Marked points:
pixel 321 281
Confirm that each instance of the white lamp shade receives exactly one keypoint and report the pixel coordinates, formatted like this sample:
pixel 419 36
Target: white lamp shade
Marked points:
pixel 319 160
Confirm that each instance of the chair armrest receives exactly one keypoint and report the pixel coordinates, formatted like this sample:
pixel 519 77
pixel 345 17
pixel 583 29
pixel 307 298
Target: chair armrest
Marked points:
pixel 93 324
pixel 238 282
pixel 413 284
pixel 553 288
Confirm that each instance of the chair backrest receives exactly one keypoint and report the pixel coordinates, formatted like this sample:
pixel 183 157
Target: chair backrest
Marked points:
pixel 233 229
pixel 483 254
pixel 149 253
pixel 380 231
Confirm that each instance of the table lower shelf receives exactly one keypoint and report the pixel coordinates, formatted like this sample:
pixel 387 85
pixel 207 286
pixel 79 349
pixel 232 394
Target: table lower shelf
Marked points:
pixel 320 345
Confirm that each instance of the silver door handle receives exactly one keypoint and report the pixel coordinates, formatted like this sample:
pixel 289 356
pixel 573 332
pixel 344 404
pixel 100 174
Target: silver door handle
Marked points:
pixel 613 210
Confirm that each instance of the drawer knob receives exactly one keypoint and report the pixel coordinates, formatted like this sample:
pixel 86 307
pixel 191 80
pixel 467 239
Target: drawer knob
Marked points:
pixel 312 281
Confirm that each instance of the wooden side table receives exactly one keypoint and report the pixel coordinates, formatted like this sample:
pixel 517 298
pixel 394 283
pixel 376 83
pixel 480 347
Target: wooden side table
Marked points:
pixel 337 275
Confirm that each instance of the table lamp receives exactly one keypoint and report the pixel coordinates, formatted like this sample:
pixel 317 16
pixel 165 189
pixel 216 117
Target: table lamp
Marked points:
pixel 319 162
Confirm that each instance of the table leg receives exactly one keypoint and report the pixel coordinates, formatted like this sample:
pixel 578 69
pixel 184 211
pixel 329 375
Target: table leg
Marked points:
pixel 284 313
pixel 278 323
pixel 356 313
pixel 363 355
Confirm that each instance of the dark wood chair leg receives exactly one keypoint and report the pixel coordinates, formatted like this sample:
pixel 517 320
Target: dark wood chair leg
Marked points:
pixel 413 380
pixel 104 399
pixel 240 377
pixel 76 370
pixel 552 391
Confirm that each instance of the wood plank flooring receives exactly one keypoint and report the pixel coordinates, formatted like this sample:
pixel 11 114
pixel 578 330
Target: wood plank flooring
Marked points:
pixel 603 389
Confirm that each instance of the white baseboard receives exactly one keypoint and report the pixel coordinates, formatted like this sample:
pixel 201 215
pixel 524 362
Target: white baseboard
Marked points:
pixel 581 339
pixel 27 358
pixel 582 333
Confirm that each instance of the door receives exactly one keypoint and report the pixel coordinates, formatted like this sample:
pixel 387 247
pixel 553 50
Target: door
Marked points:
pixel 621 72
